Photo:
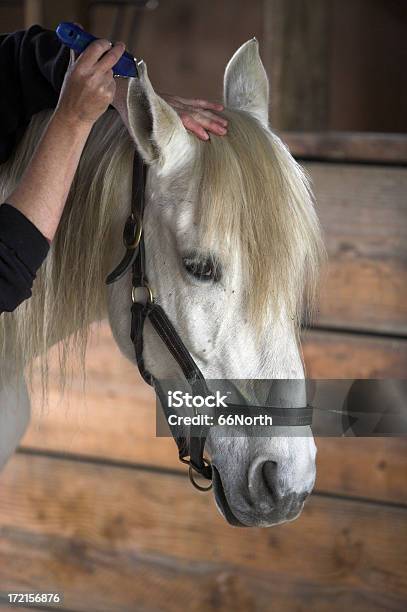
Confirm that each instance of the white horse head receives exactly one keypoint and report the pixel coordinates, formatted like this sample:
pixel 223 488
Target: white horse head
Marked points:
pixel 232 247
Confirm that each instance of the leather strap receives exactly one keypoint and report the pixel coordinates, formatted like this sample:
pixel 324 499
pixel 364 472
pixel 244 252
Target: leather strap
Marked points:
pixel 134 257
pixel 194 448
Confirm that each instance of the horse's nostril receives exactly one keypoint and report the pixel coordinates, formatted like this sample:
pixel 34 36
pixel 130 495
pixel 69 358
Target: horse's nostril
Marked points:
pixel 275 487
pixel 269 470
pixel 303 496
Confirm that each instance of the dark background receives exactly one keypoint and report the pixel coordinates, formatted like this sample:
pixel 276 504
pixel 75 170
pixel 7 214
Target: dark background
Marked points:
pixel 334 65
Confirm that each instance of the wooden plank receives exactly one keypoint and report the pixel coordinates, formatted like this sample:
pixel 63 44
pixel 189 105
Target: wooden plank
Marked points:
pixel 367 92
pixel 341 355
pixel 118 539
pixel 330 50
pixel 372 468
pixel 7 607
pixel 120 406
pixel 296 55
pixel 132 582
pixel 33 12
pixel 363 212
pixel 161 584
pixel 184 43
pixel 56 11
pixel 348 146
pixel 49 13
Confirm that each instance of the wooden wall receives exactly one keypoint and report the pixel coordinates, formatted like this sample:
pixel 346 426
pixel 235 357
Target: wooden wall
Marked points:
pixel 329 61
pixel 96 506
pixel 361 329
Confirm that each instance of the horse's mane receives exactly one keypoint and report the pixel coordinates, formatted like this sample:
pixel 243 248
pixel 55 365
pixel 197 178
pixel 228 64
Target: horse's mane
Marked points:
pixel 69 291
pixel 253 197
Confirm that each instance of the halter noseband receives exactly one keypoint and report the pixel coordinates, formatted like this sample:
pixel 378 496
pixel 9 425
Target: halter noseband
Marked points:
pixel 190 451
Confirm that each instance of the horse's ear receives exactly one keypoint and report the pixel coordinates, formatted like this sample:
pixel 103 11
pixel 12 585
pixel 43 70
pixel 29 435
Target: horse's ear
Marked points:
pixel 154 126
pixel 245 83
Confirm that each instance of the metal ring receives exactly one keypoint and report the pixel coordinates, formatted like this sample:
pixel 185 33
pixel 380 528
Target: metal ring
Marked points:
pixel 191 470
pixel 136 240
pixel 150 297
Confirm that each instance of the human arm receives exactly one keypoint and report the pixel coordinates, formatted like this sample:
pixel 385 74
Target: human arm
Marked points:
pixel 41 194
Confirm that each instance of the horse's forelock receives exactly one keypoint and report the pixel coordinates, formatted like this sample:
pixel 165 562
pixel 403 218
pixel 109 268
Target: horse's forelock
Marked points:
pixel 255 198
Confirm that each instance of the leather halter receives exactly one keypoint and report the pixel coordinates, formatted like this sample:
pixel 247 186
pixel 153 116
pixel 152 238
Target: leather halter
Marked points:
pixel 190 451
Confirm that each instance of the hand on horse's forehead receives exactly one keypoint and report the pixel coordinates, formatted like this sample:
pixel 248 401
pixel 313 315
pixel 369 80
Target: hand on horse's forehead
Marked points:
pixel 198 116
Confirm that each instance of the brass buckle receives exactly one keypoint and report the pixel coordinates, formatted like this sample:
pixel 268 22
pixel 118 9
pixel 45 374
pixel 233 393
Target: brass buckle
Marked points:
pixel 149 296
pixel 136 227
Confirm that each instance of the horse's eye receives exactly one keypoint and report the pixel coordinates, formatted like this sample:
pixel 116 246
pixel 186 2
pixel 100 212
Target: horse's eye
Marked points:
pixel 201 267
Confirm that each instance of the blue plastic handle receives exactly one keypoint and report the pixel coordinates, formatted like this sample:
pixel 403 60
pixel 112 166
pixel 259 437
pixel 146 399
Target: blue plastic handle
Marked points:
pixel 77 39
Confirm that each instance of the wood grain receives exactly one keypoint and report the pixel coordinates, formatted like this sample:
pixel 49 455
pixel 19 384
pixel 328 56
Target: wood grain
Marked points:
pixel 296 55
pixel 372 468
pixel 117 422
pixel 33 12
pixel 184 43
pixel 342 355
pixel 6 607
pixel 157 541
pixel 363 212
pixel 348 146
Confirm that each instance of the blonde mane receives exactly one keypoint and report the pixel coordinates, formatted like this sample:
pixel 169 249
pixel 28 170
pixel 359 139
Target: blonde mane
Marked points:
pixel 251 191
pixel 69 291
pixel 255 198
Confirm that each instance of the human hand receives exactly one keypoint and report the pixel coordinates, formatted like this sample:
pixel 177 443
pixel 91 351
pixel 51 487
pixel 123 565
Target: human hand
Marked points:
pixel 89 86
pixel 198 116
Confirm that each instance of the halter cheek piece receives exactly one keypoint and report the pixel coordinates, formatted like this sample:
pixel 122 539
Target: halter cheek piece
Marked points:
pixel 190 451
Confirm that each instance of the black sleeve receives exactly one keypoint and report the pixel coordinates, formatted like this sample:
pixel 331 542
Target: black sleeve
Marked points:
pixel 23 248
pixel 33 63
